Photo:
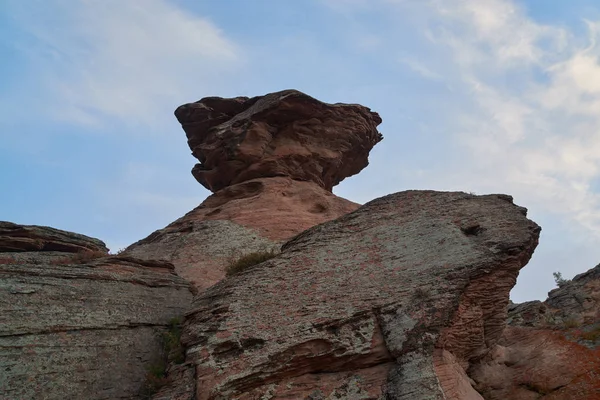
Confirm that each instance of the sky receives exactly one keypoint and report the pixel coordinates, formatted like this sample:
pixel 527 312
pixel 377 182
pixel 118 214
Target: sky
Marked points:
pixel 483 96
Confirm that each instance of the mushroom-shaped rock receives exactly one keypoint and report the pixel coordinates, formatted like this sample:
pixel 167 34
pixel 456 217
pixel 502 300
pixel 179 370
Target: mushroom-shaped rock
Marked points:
pixel 286 133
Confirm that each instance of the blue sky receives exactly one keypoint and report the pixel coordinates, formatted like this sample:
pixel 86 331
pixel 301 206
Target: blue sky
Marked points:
pixel 484 96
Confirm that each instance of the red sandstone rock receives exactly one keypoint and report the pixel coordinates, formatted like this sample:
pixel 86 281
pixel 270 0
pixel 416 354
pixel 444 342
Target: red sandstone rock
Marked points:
pixel 395 300
pixel 251 216
pixel 286 133
pixel 272 162
pixel 551 351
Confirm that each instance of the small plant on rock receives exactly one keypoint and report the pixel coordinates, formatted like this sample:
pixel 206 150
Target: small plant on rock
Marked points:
pixel 249 260
pixel 155 379
pixel 558 278
pixel 592 335
pixel 571 323
pixel 421 294
pixel 172 352
pixel 172 342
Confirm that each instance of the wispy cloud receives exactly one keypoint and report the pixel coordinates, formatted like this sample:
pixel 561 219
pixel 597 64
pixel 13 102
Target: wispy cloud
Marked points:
pixel 538 136
pixel 417 66
pixel 526 97
pixel 120 59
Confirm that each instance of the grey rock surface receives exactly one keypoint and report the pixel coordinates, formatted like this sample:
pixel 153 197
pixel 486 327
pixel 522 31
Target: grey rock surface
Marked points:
pixel 83 330
pixel 200 250
pixel 15 237
pixel 393 300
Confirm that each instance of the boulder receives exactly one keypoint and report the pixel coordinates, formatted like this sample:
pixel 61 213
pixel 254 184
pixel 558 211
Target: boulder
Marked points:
pixel 395 300
pixel 81 327
pixel 286 133
pixel 550 350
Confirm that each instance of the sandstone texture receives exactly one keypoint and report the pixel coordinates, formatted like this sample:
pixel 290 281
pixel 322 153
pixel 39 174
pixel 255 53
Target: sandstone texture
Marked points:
pixel 396 300
pixel 199 249
pixel 252 216
pixel 271 162
pixel 551 349
pixel 286 133
pixel 74 327
pixel 14 237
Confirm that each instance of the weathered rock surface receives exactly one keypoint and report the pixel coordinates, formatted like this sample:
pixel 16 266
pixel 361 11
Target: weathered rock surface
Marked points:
pixel 14 237
pixel 252 216
pixel 395 300
pixel 81 330
pixel 199 249
pixel 272 162
pixel 286 133
pixel 551 350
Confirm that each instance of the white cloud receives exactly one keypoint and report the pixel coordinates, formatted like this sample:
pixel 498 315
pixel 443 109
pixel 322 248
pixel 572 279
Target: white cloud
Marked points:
pixel 498 29
pixel 519 128
pixel 526 97
pixel 121 59
pixel 420 68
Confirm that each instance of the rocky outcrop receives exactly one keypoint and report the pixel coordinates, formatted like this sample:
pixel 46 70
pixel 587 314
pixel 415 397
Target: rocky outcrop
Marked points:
pixel 551 349
pixel 14 237
pixel 286 133
pixel 252 216
pixel 201 249
pixel 395 300
pixel 80 326
pixel 272 162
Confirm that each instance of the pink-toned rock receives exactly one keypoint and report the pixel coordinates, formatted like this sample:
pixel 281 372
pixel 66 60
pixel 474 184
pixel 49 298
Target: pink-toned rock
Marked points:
pixel 551 351
pixel 286 133
pixel 251 216
pixel 395 300
pixel 272 162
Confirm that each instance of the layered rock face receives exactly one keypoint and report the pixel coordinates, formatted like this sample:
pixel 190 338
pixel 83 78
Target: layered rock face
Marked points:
pixel 395 300
pixel 23 238
pixel 271 162
pixel 551 349
pixel 77 323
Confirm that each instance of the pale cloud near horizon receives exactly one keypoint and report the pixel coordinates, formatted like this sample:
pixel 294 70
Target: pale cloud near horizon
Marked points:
pixel 124 60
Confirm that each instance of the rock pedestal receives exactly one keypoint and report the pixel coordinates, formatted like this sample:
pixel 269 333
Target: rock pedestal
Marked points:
pixel 271 162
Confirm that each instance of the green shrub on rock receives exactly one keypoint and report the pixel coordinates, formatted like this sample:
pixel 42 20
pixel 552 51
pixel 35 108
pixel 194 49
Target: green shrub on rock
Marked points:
pixel 248 260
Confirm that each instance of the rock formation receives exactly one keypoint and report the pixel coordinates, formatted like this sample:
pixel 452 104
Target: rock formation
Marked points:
pixel 286 133
pixel 25 238
pixel 395 300
pixel 403 298
pixel 272 162
pixel 551 349
pixel 75 322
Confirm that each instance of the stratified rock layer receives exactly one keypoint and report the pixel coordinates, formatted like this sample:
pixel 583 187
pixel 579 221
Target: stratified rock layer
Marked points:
pixel 199 249
pixel 251 216
pixel 14 237
pixel 395 299
pixel 286 133
pixel 272 162
pixel 551 350
pixel 74 329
